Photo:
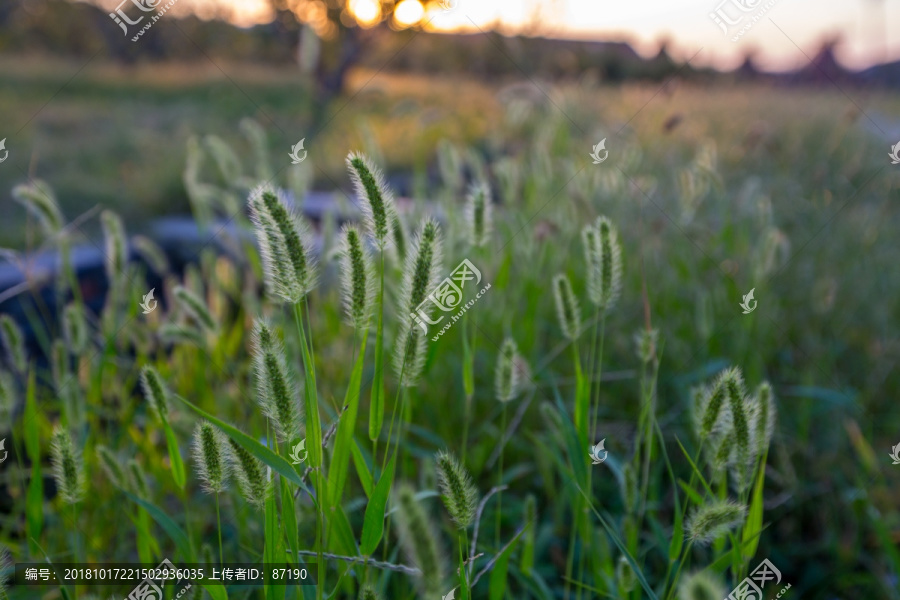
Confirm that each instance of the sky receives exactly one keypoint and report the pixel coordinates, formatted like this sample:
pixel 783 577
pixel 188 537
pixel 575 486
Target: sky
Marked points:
pixel 781 38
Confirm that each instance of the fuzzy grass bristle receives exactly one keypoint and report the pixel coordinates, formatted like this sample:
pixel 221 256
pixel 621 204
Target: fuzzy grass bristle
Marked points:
pixel 275 390
pixel 711 520
pixel 196 308
pixel 357 278
pixel 459 493
pixel 38 198
pixel 13 342
pixel 479 214
pixel 249 473
pixel 506 374
pixel 375 197
pixel 67 468
pixel 419 541
pixel 567 309
pixel 210 457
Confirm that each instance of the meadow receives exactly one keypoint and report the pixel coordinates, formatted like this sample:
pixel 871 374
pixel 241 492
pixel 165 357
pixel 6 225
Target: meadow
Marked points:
pixel 460 463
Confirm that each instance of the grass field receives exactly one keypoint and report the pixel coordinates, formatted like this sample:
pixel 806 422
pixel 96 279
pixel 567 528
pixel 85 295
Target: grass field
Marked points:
pixel 778 190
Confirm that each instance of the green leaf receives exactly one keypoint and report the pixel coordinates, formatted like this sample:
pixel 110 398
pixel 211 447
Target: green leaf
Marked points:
pixel 216 590
pixel 174 455
pixel 695 496
pixel 575 447
pixel 694 467
pixel 497 588
pixel 34 501
pixel 376 402
pixel 677 532
pixel 362 469
pixel 289 516
pixel 177 535
pixel 373 524
pixel 343 541
pixel 311 396
pixel 343 439
pixel 468 361
pixel 277 463
pixel 753 525
pixel 272 544
pixel 582 402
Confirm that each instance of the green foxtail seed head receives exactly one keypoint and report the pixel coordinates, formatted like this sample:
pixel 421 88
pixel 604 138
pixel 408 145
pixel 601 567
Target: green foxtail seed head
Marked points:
pixel 625 575
pixel 701 585
pixel 155 391
pixel 13 343
pixel 209 454
pixel 357 278
pixel 59 359
pixel 75 328
pixel 629 488
pixel 226 160
pixel 715 414
pixel 399 230
pixel 275 385
pixel 645 341
pixel 419 542
pixel 713 519
pixel 724 453
pixel 38 199
pixel 763 416
pixel 196 308
pixel 285 246
pixel 593 258
pixel 375 197
pixel 116 245
pixel 8 396
pixel 479 214
pixel 367 592
pixel 459 493
pixel 152 253
pixel 138 478
pixel 610 264
pixel 249 473
pixel 66 467
pixel 737 405
pixel 567 309
pixel 419 279
pixel 175 333
pixel 112 466
pixel 506 374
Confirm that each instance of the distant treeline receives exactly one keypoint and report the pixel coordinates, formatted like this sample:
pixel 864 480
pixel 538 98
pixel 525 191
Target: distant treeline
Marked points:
pixel 61 27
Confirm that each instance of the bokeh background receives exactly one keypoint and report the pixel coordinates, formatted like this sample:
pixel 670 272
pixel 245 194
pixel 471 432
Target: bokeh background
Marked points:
pixel 758 163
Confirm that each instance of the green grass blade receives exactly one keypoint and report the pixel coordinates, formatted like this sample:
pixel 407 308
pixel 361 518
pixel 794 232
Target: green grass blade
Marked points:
pixel 362 469
pixel 575 447
pixel 343 541
pixel 343 439
pixel 271 554
pixel 696 470
pixel 277 463
pixel 176 533
pixel 497 587
pixel 313 423
pixel 215 590
pixel 753 526
pixel 34 502
pixel 174 456
pixel 618 542
pixel 376 403
pixel 373 524
pixel 289 517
